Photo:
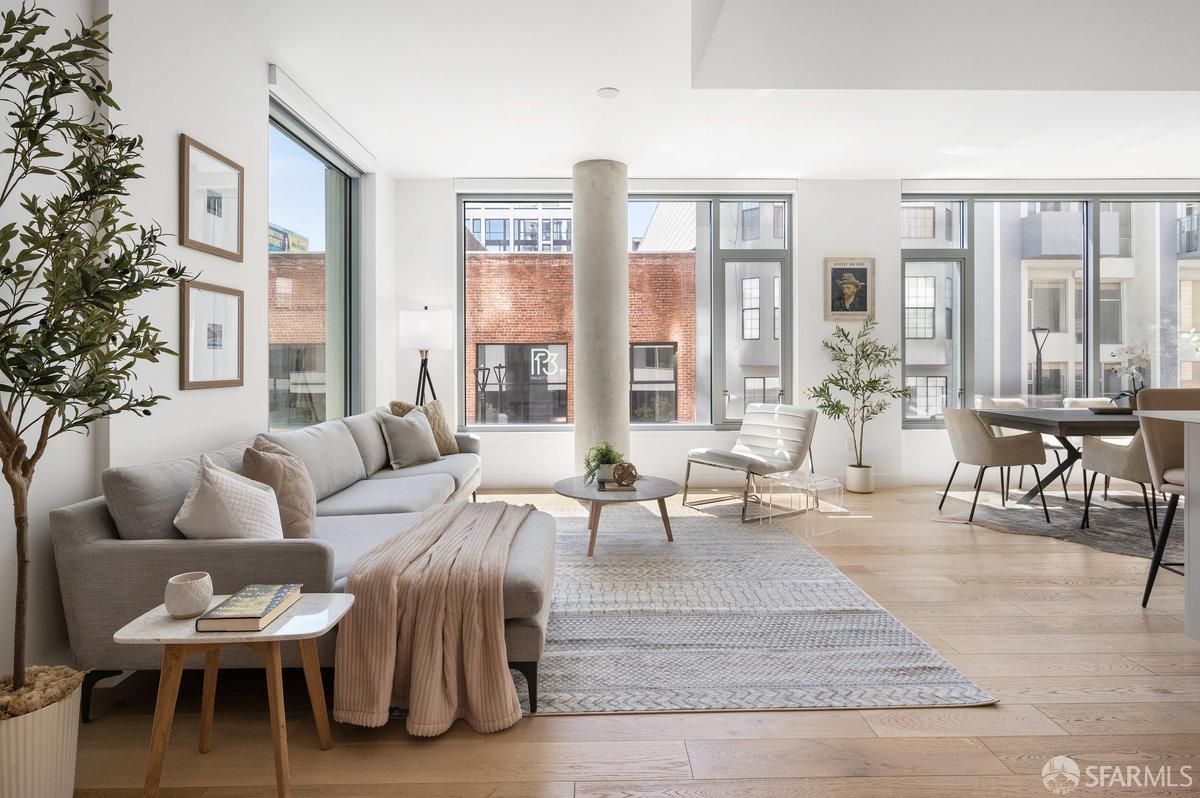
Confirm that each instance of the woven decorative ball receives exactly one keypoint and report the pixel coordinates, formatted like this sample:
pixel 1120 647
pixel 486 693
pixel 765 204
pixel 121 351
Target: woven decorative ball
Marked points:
pixel 625 474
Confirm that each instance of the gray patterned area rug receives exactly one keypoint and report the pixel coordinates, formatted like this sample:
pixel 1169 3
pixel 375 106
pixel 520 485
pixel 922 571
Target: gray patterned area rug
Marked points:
pixel 1117 524
pixel 730 616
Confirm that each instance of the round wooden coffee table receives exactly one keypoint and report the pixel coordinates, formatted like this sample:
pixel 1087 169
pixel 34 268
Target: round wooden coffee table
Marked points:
pixel 646 489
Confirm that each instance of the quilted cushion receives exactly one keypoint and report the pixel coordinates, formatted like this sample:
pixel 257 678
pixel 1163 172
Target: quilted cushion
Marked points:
pixel 740 460
pixel 285 472
pixel 222 504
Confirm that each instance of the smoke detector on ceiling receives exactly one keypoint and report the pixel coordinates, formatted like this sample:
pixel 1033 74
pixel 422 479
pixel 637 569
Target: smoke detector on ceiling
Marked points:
pixel 608 92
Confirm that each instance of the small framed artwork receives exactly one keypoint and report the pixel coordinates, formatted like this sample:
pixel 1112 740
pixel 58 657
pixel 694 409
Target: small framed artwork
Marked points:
pixel 211 200
pixel 849 289
pixel 212 352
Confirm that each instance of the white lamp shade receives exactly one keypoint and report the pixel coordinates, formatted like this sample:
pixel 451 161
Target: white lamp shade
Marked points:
pixel 425 329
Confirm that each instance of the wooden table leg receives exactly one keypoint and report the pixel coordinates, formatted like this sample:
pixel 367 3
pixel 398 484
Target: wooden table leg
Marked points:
pixel 274 668
pixel 593 525
pixel 164 713
pixel 316 691
pixel 212 661
pixel 662 508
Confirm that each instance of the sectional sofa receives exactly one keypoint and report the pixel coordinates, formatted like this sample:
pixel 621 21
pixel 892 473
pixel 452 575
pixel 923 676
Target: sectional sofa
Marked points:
pixel 115 552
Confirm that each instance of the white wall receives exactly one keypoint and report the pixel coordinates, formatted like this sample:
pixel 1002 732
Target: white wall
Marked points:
pixel 846 218
pixel 168 84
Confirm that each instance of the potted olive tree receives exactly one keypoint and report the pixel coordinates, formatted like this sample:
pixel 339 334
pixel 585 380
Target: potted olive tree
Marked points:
pixel 71 262
pixel 859 389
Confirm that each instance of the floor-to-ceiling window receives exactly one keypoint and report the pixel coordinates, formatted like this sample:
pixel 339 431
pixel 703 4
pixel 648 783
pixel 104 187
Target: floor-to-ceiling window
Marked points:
pixel 309 238
pixel 1070 296
pixel 518 322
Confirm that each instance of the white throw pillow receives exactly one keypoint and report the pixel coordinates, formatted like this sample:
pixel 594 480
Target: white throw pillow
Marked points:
pixel 223 504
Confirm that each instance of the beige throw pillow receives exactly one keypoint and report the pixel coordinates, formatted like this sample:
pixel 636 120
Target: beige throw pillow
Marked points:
pixel 284 472
pixel 222 504
pixel 409 439
pixel 442 433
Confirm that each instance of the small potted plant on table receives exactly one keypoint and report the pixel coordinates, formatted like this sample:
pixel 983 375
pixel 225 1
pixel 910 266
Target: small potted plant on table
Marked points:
pixel 860 388
pixel 599 462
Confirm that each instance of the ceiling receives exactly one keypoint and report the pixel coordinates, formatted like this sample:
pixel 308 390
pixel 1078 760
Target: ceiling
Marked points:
pixel 486 89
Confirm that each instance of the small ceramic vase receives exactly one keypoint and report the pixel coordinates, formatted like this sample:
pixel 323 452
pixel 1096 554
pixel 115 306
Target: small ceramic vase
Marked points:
pixel 189 594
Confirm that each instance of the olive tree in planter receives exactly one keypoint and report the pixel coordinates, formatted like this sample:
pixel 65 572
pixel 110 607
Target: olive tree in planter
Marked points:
pixel 859 389
pixel 71 263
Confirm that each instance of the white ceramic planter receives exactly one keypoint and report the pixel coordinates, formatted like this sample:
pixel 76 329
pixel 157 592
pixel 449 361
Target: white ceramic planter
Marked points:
pixel 860 479
pixel 38 751
pixel 188 595
pixel 605 473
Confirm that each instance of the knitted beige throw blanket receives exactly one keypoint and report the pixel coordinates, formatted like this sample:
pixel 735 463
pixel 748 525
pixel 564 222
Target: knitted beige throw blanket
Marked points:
pixel 427 628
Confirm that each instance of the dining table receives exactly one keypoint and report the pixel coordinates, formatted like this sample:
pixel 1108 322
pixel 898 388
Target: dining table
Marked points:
pixel 1063 424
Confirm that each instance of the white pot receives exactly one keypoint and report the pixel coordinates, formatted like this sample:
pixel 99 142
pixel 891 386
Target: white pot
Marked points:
pixel 188 595
pixel 38 751
pixel 605 474
pixel 860 479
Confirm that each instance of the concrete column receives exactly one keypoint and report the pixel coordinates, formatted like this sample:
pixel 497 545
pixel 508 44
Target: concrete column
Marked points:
pixel 601 293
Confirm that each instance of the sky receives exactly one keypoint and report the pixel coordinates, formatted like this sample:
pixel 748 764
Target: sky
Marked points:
pixel 296 198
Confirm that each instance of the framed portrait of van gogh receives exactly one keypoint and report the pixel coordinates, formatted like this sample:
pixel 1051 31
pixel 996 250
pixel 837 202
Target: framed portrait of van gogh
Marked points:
pixel 849 289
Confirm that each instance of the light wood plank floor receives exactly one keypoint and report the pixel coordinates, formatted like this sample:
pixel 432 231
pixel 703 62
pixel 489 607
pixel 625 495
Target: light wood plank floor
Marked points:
pixel 1052 628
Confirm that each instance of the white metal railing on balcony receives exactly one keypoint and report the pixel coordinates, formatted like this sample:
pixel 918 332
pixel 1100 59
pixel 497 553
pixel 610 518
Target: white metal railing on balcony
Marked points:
pixel 1188 235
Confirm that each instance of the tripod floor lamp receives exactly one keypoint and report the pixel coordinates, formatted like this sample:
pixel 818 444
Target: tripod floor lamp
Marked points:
pixel 424 330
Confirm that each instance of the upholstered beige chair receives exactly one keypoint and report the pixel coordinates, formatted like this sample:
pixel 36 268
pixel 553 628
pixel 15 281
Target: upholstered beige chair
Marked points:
pixel 1050 443
pixel 1125 461
pixel 975 444
pixel 1164 455
pixel 774 439
pixel 1083 402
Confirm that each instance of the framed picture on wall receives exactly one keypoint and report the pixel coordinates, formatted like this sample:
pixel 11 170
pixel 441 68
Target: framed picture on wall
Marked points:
pixel 212 352
pixel 211 200
pixel 849 289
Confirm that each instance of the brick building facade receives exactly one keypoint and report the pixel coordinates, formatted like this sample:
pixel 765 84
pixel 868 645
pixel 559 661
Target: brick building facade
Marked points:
pixel 525 297
pixel 296 298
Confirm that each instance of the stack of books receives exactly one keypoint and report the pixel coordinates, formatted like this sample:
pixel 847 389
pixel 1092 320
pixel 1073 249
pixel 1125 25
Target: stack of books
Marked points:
pixel 250 609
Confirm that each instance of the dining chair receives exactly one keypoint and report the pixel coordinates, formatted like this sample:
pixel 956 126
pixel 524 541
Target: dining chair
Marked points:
pixel 1165 457
pixel 1048 442
pixel 1080 402
pixel 975 444
pixel 1125 461
pixel 773 439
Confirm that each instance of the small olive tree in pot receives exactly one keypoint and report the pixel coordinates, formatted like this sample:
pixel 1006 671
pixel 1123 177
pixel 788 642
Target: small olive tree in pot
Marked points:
pixel 859 389
pixel 71 262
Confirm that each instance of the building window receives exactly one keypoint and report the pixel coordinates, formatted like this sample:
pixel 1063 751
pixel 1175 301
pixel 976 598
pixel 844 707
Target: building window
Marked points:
pixel 761 390
pixel 778 305
pixel 950 305
pixel 916 221
pixel 310 215
pixel 652 383
pixel 562 235
pixel 750 308
pixel 751 230
pixel 926 396
pixel 919 292
pixel 525 235
pixel 496 234
pixel 520 383
pixel 1047 299
pixel 780 220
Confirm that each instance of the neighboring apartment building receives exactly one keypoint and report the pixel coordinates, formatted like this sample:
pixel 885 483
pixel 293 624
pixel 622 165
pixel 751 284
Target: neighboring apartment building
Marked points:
pixel 1027 266
pixel 296 329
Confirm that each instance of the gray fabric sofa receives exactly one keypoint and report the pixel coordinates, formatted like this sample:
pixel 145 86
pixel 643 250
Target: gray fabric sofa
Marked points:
pixel 115 553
